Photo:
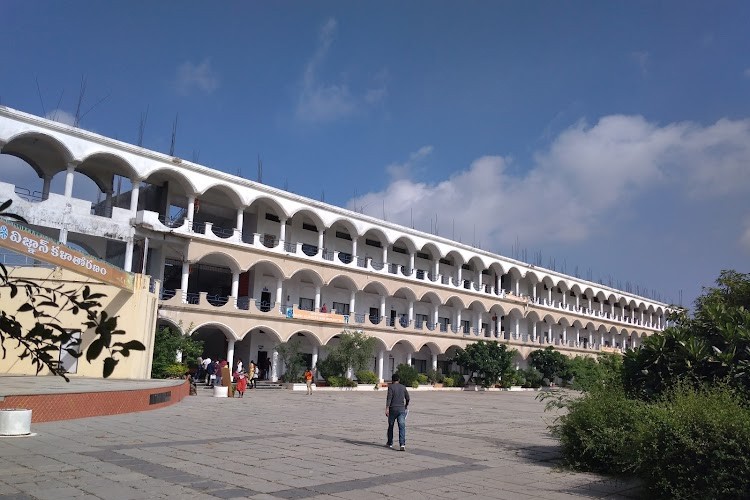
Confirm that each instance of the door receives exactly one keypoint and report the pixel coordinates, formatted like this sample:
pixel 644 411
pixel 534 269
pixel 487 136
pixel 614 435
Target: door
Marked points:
pixel 265 301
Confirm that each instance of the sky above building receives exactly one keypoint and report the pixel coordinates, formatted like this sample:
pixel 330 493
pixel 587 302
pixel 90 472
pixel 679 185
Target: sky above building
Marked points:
pixel 605 139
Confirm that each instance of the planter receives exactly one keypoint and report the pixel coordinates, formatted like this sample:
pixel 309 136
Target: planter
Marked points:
pixel 15 422
pixel 221 391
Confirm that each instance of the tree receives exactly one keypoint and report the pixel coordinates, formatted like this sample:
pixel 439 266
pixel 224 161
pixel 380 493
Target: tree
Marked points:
pixel 42 342
pixel 293 359
pixel 354 351
pixel 486 361
pixel 550 363
pixel 167 344
pixel 712 346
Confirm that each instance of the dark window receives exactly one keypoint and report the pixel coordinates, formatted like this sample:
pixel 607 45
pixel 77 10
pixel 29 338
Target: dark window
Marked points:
pixel 424 256
pixel 373 243
pixel 306 304
pixel 273 217
pixel 399 250
pixel 486 271
pixel 446 262
pixel 309 227
pixel 340 308
pixel 343 236
pixel 466 266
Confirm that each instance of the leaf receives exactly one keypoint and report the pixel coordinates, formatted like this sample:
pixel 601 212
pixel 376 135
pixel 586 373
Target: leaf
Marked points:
pixel 25 307
pixel 109 366
pixel 5 205
pixel 95 349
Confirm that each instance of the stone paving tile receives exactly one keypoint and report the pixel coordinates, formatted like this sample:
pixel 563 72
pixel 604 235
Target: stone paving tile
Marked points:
pixel 459 445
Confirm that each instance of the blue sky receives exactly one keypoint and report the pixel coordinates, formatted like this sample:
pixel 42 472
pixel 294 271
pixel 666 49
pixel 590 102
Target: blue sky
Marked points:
pixel 611 136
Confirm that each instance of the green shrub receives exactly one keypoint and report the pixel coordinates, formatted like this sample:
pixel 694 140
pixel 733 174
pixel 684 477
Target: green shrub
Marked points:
pixel 407 374
pixel 448 382
pixel 434 376
pixel 532 378
pixel 366 377
pixel 598 432
pixel 696 444
pixel 422 378
pixel 414 384
pixel 175 370
pixel 337 381
pixel 458 379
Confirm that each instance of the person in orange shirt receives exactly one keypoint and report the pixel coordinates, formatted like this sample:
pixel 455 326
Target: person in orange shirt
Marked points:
pixel 309 380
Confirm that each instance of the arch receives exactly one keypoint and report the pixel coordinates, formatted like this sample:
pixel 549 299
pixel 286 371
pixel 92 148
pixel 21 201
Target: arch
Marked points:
pixel 405 293
pixel 431 249
pixel 105 163
pixel 219 259
pixel 316 278
pixel 265 329
pixel 432 346
pixel 477 305
pixel 161 321
pixel 207 195
pixel 455 301
pixel 35 148
pixel 376 288
pixel 379 234
pixel 456 257
pixel 312 215
pixel 534 277
pixel 227 331
pixel 431 297
pixel 343 279
pixel 403 341
pixel 477 264
pixel 163 173
pixel 411 247
pixel 351 229
pixel 275 269
pixel 262 200
pixel 307 334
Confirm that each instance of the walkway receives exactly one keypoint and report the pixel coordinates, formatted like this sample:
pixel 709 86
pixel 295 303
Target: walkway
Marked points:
pixel 286 445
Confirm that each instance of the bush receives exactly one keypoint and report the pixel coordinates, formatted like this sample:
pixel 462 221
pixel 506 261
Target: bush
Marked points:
pixel 598 431
pixel 458 379
pixel 434 376
pixel 407 374
pixel 366 377
pixel 414 385
pixel 696 444
pixel 422 378
pixel 175 370
pixel 448 382
pixel 532 378
pixel 337 381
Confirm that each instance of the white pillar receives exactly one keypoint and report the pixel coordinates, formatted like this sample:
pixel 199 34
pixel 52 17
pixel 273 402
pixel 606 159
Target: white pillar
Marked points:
pixel 107 203
pixel 352 304
pixel 518 287
pixel 317 298
pixel 565 335
pixel 533 292
pixel 184 281
pixel 436 270
pixel 354 249
pixel 314 356
pixel 71 167
pixel 549 295
pixel 128 264
pixel 458 275
pixel 230 354
pixel 385 253
pixel 459 326
pixel 190 211
pixel 134 196
pixel 235 286
pixel 411 312
pixel 564 299
pixel 320 241
pixel 240 219
pixel 408 358
pixel 45 187
pixel 275 367
pixel 411 261
pixel 279 292
pixel 382 307
pixel 435 316
pixel 517 332
pixel 533 338
pixel 434 362
pixel 578 336
pixel 381 355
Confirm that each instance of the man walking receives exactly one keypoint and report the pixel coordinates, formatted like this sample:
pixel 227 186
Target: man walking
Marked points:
pixel 396 405
pixel 309 380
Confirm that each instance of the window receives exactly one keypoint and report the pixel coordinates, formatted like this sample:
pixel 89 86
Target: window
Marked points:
pixel 466 266
pixel 306 304
pixel 310 227
pixel 420 319
pixel 273 217
pixel 419 364
pixel 373 243
pixel 447 262
pixel 424 256
pixel 400 250
pixel 466 326
pixel 344 236
pixel 341 308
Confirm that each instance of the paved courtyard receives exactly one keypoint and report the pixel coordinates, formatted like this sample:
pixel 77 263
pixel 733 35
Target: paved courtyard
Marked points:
pixel 286 445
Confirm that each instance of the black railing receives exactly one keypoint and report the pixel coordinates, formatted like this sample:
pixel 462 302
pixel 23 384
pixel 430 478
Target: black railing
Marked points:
pixel 290 247
pixel 328 255
pixel 377 265
pixel 243 303
pixel 309 250
pixel 345 258
pixel 217 300
pixel 222 232
pixel 165 294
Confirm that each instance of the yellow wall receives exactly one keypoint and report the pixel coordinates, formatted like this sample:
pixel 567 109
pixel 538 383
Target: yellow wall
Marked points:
pixel 136 314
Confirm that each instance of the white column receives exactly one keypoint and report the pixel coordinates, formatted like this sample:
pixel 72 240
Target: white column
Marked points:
pixel 317 298
pixel 352 305
pixel 240 219
pixel 108 203
pixel 565 335
pixel 128 264
pixel 590 308
pixel 45 187
pixel 282 230
pixel 601 340
pixel 71 167
pixel 578 336
pixel 134 196
pixel 458 276
pixel 408 358
pixel 578 301
pixel 533 292
pixel 436 269
pixel 230 353
pixel 184 282
pixel 314 356
pixel 434 362
pixel 320 241
pixel 190 211
pixel 411 312
pixel 533 331
pixel 601 308
pixel 518 287
pixel 381 355
pixel 564 299
pixel 235 286
pixel 435 316
pixel 459 327
pixel 382 307
pixel 517 332
pixel 478 322
pixel 385 253
pixel 279 292
pixel 354 249
pixel 275 367
pixel 411 261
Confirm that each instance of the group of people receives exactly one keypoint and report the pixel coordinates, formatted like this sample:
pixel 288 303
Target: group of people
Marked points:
pixel 210 371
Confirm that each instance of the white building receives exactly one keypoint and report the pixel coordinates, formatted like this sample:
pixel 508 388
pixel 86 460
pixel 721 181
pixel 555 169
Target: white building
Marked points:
pixel 245 266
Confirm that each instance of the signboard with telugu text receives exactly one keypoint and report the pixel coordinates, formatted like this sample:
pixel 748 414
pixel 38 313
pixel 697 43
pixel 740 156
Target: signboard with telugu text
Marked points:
pixel 40 247
pixel 316 316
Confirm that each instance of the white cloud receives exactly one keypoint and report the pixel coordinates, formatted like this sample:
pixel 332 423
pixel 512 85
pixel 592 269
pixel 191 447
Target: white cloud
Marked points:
pixel 577 185
pixel 200 77
pixel 61 116
pixel 325 102
pixel 405 169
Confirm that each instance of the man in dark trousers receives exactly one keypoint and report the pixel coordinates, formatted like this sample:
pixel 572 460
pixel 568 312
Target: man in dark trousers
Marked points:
pixel 396 404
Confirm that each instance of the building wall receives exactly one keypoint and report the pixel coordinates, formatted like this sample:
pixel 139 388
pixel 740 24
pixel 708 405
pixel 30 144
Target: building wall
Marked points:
pixel 136 312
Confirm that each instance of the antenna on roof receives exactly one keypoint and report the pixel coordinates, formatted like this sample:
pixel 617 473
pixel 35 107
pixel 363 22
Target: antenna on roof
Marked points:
pixel 260 169
pixel 81 93
pixel 174 134
pixel 39 93
pixel 142 127
pixel 323 196
pixel 286 184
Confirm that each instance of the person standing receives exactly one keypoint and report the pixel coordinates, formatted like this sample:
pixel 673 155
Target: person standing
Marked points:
pixel 309 380
pixel 241 383
pixel 252 374
pixel 396 406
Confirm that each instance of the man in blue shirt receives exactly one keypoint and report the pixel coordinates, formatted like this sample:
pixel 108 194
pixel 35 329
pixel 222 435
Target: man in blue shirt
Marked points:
pixel 396 405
